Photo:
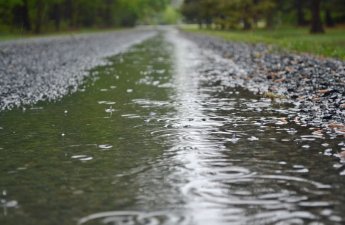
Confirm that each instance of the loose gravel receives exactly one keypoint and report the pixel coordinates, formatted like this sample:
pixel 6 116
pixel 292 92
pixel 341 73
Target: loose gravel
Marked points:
pixel 315 85
pixel 48 68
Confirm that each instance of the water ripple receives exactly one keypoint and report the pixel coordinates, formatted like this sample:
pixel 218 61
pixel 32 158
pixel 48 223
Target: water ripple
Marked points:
pixel 135 218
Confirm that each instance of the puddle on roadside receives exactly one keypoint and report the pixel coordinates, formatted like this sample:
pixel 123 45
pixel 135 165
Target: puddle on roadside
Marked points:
pixel 157 138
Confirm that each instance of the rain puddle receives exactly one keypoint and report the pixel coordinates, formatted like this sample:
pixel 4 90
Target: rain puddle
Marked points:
pixel 159 137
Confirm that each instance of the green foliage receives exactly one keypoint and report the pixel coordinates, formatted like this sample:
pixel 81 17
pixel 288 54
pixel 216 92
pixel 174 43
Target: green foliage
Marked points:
pixel 247 14
pixel 48 15
pixel 227 13
pixel 170 16
pixel 331 44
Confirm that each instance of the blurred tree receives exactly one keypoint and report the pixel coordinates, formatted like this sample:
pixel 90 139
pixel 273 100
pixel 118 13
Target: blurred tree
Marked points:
pixel 225 14
pixel 108 18
pixel 264 11
pixel 208 11
pixel 328 17
pixel 21 15
pixel 45 15
pixel 300 6
pixel 333 12
pixel 228 13
pixel 55 14
pixel 316 23
pixel 191 10
pixel 38 8
pixel 170 16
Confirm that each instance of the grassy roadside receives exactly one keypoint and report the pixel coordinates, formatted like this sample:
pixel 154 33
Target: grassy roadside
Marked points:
pixel 331 44
pixel 14 36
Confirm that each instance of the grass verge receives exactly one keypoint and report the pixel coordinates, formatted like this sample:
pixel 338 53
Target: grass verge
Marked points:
pixel 330 44
pixel 14 36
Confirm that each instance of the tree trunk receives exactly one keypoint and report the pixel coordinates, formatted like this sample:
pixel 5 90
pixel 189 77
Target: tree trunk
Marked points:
pixel 26 18
pixel 316 24
pixel 222 25
pixel 70 13
pixel 270 20
pixel 246 24
pixel 329 19
pixel 200 23
pixel 39 16
pixel 108 18
pixel 300 13
pixel 21 16
pixel 57 16
pixel 208 22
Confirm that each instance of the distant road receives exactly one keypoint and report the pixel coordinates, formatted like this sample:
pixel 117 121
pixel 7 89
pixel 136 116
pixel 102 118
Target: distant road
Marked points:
pixel 47 68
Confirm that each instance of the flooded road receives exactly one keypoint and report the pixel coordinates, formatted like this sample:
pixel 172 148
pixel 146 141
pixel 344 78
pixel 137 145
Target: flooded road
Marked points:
pixel 160 136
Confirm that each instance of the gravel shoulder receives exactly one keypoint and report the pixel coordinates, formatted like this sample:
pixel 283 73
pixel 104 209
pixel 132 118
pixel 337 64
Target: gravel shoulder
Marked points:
pixel 48 68
pixel 316 86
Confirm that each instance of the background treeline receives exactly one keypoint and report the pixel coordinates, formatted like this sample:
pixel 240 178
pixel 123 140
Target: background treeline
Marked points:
pixel 248 14
pixel 48 15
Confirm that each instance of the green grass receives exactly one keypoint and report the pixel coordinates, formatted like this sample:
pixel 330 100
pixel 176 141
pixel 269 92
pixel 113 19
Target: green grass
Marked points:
pixel 6 36
pixel 330 44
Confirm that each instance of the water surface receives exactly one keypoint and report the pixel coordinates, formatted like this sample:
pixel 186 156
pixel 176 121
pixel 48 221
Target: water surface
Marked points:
pixel 160 137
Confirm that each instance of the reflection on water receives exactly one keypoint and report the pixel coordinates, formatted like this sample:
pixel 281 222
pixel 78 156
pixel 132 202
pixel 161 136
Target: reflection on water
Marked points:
pixel 164 136
pixel 132 217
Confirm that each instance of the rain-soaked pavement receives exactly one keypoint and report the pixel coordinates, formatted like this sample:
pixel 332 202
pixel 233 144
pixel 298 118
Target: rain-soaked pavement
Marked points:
pixel 156 137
